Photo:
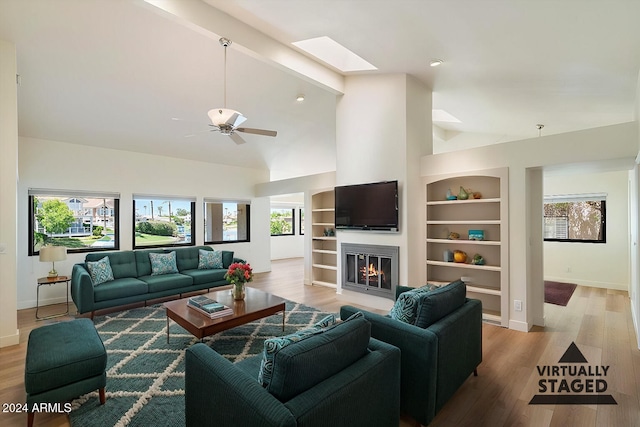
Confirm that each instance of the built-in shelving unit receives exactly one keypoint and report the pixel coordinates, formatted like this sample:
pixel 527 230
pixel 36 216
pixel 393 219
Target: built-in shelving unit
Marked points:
pixel 489 213
pixel 323 248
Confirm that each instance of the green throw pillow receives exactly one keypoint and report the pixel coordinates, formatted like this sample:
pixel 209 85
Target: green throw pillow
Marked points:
pixel 406 306
pixel 163 263
pixel 273 345
pixel 209 259
pixel 100 271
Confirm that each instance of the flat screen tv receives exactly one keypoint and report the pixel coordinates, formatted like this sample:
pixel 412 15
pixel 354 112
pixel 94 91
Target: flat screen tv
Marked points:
pixel 371 206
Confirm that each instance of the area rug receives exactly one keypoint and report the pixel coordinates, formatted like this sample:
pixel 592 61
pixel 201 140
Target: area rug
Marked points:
pixel 558 293
pixel 145 375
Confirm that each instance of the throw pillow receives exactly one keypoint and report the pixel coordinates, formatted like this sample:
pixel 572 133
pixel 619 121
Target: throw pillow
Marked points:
pixel 100 271
pixel 273 345
pixel 163 263
pixel 406 306
pixel 209 259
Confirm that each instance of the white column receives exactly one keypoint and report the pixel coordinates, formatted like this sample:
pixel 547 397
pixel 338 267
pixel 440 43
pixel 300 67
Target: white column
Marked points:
pixel 9 334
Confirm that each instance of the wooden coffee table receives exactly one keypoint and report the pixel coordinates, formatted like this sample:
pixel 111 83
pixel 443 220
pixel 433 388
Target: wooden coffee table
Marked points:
pixel 256 305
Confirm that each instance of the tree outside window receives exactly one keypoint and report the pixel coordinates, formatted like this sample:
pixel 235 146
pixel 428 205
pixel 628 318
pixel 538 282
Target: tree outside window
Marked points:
pixel 80 222
pixel 575 219
pixel 282 222
pixel 163 222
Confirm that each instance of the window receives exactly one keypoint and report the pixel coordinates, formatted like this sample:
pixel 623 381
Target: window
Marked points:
pixel 226 222
pixel 282 222
pixel 163 221
pixel 80 221
pixel 575 218
pixel 301 221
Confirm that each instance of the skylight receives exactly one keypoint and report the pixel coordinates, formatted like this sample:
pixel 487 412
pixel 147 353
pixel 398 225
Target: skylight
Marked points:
pixel 333 53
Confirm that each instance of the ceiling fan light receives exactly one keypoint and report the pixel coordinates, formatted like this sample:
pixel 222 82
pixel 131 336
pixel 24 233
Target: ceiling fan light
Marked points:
pixel 226 116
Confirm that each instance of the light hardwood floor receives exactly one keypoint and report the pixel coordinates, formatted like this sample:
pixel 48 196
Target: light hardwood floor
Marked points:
pixel 597 320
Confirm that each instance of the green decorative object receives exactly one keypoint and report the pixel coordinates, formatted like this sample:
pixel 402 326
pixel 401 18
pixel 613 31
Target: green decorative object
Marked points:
pixel 477 260
pixel 463 195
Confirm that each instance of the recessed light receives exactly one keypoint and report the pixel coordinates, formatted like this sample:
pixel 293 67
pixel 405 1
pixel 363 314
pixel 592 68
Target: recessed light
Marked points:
pixel 436 62
pixel 300 98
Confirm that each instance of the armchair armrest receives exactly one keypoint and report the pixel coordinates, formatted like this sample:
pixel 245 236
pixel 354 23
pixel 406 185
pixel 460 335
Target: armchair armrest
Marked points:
pixel 81 289
pixel 218 393
pixel 459 348
pixel 419 358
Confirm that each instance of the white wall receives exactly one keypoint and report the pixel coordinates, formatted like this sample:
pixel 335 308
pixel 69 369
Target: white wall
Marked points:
pixel 59 165
pixel 585 260
pixel 383 126
pixel 592 145
pixel 9 334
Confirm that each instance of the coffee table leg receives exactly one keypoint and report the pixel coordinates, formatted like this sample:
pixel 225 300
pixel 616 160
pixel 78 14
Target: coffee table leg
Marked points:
pixel 167 329
pixel 283 312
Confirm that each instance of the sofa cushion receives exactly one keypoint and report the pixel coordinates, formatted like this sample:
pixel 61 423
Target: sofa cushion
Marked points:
pixel 440 302
pixel 123 263
pixel 209 259
pixel 187 257
pixel 305 362
pixel 201 277
pixel 165 282
pixel 227 258
pixel 405 308
pixel 100 271
pixel 119 288
pixel 163 263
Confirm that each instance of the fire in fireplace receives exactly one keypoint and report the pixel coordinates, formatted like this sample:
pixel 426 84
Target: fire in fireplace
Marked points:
pixel 370 269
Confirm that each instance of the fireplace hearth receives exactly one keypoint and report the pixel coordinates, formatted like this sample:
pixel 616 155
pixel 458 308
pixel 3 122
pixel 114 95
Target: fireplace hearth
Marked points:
pixel 371 269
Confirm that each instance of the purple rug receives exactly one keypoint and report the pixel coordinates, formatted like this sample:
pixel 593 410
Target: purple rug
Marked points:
pixel 558 293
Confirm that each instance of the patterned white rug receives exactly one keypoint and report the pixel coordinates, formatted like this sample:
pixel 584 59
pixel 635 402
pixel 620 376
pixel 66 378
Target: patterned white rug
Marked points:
pixel 145 375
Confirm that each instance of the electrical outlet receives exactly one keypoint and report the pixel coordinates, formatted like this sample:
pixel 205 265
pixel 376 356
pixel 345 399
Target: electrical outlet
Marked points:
pixel 569 269
pixel 517 305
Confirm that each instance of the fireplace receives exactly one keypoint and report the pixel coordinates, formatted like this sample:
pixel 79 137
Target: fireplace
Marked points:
pixel 371 269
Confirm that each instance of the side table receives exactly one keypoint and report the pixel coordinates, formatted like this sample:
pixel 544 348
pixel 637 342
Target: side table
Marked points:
pixel 51 281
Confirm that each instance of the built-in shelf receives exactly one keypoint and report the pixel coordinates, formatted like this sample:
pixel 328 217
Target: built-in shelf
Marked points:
pixel 464 265
pixel 465 242
pixel 488 282
pixel 324 266
pixel 461 202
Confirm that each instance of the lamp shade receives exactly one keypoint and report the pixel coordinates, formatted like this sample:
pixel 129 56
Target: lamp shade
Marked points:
pixel 53 253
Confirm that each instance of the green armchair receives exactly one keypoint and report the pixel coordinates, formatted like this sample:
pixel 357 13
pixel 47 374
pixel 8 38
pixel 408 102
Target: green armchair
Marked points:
pixel 437 359
pixel 340 377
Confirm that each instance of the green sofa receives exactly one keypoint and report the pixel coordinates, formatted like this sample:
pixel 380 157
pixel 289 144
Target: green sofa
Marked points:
pixel 133 280
pixel 340 377
pixel 439 355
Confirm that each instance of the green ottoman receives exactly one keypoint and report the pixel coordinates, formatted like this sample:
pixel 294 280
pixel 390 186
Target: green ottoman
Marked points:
pixel 64 360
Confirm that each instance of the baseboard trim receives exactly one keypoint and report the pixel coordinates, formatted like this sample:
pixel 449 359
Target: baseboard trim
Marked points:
pixel 10 340
pixel 517 325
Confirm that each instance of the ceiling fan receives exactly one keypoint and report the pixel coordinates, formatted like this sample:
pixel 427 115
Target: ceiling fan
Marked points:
pixel 225 120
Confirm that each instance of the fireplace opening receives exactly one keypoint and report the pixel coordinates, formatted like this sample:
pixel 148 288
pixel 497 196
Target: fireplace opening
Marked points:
pixel 370 269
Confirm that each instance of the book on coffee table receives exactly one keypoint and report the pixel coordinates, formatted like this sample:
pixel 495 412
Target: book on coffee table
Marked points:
pixel 206 304
pixel 224 311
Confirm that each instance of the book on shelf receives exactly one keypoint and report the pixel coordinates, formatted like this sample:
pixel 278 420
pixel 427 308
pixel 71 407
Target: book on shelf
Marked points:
pixel 215 314
pixel 205 303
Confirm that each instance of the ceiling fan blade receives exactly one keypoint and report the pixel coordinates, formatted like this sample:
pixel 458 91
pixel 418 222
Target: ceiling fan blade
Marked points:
pixel 237 138
pixel 263 132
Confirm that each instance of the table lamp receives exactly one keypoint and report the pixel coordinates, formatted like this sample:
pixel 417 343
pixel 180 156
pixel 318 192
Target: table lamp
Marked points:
pixel 52 254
